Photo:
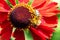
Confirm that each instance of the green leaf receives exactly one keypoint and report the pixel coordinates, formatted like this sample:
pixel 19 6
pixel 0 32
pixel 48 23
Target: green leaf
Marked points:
pixel 16 1
pixel 30 2
pixel 28 35
pixel 56 34
pixel 7 1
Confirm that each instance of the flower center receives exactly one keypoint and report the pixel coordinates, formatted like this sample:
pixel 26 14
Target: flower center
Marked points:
pixel 22 16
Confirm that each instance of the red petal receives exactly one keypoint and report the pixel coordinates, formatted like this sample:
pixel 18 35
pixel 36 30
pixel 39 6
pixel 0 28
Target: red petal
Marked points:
pixel 3 16
pixel 21 0
pixel 12 2
pixel 55 11
pixel 7 34
pixel 49 10
pixel 37 2
pixel 40 5
pixel 6 30
pixel 19 35
pixel 1 5
pixel 47 13
pixel 26 1
pixel 5 26
pixel 51 20
pixel 47 2
pixel 53 4
pixel 35 37
pixel 46 30
pixel 39 33
pixel 5 4
pixel 3 10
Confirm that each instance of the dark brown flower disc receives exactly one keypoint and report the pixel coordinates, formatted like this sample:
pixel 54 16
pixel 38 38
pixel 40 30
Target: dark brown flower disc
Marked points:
pixel 20 17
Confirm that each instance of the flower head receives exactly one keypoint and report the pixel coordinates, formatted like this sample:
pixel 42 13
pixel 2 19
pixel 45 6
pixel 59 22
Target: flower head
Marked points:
pixel 19 17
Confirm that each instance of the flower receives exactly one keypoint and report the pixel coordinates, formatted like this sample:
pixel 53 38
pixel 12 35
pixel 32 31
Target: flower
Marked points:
pixel 40 21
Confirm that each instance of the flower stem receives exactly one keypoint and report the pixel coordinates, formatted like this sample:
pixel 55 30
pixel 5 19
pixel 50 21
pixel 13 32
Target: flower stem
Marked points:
pixel 28 35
